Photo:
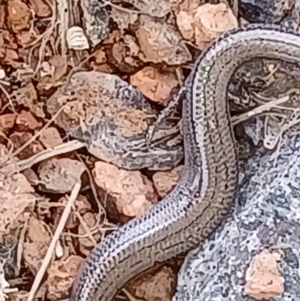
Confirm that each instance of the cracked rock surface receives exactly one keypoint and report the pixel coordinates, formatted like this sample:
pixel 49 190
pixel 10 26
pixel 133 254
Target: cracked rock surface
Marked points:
pixel 266 215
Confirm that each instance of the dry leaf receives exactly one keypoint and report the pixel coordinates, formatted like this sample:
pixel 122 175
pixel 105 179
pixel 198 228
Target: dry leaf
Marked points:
pixel 153 8
pixel 160 42
pixel 18 15
pixel 41 8
pixel 123 18
pixel 61 276
pixel 153 84
pixel 85 243
pixel 125 52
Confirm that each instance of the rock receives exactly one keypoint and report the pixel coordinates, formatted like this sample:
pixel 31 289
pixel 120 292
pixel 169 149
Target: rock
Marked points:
pixel 266 216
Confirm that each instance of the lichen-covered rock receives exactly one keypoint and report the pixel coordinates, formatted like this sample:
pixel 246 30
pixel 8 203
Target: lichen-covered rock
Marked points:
pixel 265 11
pixel 266 216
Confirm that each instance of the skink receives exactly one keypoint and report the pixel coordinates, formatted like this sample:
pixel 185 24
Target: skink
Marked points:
pixel 206 188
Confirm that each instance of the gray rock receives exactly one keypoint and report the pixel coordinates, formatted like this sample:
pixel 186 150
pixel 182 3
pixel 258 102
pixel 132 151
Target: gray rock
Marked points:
pixel 266 215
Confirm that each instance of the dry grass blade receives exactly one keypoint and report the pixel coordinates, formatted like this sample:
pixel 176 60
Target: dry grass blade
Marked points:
pixel 263 108
pixel 55 238
pixel 46 154
pixel 35 136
